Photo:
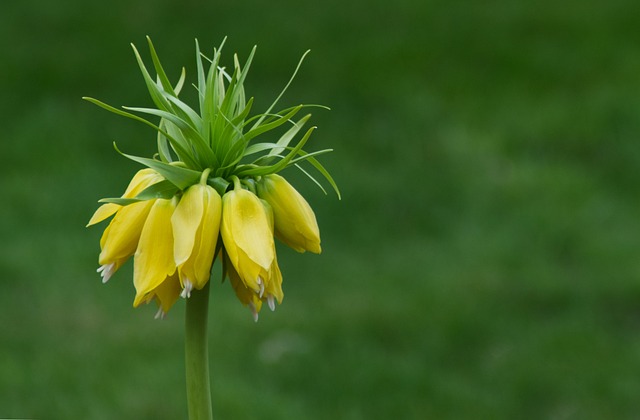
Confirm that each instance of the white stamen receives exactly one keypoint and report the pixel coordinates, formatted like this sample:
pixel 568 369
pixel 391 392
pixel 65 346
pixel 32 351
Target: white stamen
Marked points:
pixel 160 314
pixel 261 284
pixel 272 302
pixel 188 287
pixel 106 271
pixel 252 307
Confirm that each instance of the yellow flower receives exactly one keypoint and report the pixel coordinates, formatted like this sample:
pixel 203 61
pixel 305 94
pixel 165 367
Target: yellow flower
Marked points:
pixel 153 262
pixel 246 296
pixel 248 238
pixel 120 238
pixel 251 298
pixel 295 222
pixel 196 225
pixel 141 180
pixel 166 294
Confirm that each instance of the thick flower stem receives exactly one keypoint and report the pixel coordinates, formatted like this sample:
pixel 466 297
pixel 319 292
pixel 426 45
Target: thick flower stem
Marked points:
pixel 197 356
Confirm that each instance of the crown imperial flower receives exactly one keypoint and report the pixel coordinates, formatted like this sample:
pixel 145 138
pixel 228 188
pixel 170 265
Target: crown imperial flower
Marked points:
pixel 294 221
pixel 212 189
pixel 196 223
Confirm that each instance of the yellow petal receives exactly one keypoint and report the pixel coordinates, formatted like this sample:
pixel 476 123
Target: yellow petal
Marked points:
pixel 103 212
pixel 294 220
pixel 196 225
pixel 120 239
pixel 186 221
pixel 141 180
pixel 274 287
pixel 153 260
pixel 245 295
pixel 205 247
pixel 247 236
pixel 168 292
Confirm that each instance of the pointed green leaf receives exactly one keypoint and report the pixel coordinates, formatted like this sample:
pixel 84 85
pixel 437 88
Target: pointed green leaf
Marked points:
pixel 313 161
pixel 164 80
pixel 119 201
pixel 282 163
pixel 285 88
pixel 179 176
pixel 315 181
pixel 162 189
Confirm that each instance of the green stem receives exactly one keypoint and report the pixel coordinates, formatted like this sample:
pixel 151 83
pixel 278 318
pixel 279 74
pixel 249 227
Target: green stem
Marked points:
pixel 197 356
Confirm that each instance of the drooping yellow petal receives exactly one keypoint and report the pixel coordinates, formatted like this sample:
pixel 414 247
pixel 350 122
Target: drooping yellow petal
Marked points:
pixel 186 221
pixel 295 221
pixel 196 225
pixel 141 180
pixel 246 296
pixel 274 287
pixel 120 239
pixel 103 212
pixel 247 237
pixel 205 246
pixel 153 260
pixel 168 292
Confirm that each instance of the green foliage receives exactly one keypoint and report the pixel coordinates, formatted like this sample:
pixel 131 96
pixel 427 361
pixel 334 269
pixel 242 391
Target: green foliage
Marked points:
pixel 219 136
pixel 483 263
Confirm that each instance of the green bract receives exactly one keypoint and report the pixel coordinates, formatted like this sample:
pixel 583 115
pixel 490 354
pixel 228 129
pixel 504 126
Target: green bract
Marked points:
pixel 221 136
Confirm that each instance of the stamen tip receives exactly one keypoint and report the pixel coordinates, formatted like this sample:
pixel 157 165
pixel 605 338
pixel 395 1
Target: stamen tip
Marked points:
pixel 160 314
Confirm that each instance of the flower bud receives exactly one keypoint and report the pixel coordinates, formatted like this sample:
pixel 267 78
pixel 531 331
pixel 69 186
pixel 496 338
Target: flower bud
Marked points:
pixel 120 238
pixel 294 221
pixel 153 261
pixel 196 226
pixel 247 238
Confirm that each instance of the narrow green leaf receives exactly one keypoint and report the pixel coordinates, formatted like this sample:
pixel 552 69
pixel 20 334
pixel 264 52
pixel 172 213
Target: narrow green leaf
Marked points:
pixel 156 95
pixel 313 161
pixel 281 164
pixel 259 147
pixel 289 135
pixel 163 145
pixel 286 86
pixel 179 176
pixel 257 130
pixel 179 145
pixel 180 84
pixel 119 200
pixel 202 84
pixel 162 189
pixel 164 80
pixel 315 181
pixel 308 156
pixel 193 119
pixel 201 147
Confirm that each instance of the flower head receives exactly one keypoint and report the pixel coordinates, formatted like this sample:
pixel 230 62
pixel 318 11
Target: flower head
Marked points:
pixel 196 224
pixel 211 178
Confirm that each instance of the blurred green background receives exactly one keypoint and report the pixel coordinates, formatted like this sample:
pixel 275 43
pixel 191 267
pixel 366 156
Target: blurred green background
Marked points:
pixel 482 264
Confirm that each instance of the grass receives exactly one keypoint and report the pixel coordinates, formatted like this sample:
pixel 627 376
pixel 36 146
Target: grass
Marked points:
pixel 482 264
